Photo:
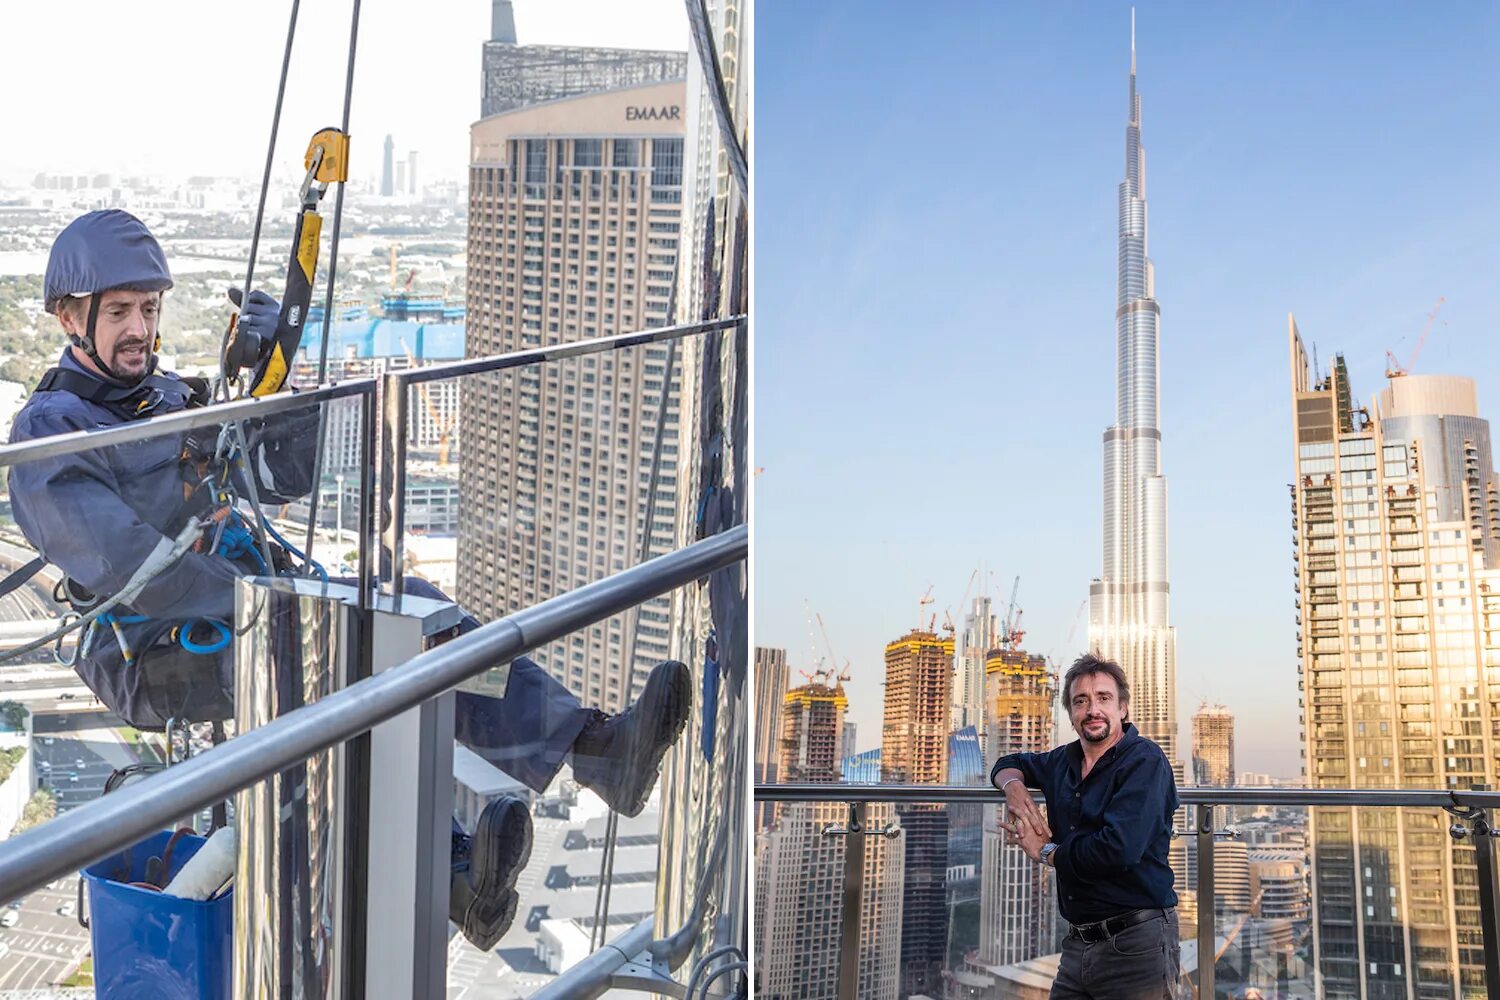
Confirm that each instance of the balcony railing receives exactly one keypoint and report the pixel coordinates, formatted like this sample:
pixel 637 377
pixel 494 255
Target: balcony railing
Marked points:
pixel 1216 901
pixel 381 476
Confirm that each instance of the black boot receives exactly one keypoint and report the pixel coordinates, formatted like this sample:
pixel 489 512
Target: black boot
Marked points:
pixel 482 895
pixel 619 756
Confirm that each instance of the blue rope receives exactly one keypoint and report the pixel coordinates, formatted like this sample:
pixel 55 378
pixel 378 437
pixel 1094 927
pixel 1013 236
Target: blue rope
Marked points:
pixel 188 644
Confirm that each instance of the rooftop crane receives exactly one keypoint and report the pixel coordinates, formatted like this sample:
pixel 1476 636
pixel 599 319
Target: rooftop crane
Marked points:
pixel 1394 368
pixel 833 660
pixel 922 603
pixel 444 427
pixel 1011 632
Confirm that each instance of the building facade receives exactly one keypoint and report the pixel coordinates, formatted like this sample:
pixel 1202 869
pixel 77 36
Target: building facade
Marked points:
pixel 518 75
pixel 800 872
pixel 1018 918
pixel 979 635
pixel 1213 746
pixel 770 692
pixel 1130 603
pixel 1399 667
pixel 573 233
pixel 914 750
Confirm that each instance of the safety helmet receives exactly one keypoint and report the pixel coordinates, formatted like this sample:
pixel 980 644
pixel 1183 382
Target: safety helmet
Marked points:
pixel 101 251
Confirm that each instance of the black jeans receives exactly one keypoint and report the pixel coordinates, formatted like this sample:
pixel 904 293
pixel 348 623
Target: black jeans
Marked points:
pixel 1139 963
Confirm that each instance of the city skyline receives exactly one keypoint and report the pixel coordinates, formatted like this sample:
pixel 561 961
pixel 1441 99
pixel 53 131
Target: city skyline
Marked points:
pixel 1300 162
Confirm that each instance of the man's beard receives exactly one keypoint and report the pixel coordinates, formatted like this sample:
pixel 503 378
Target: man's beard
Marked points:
pixel 133 364
pixel 1104 734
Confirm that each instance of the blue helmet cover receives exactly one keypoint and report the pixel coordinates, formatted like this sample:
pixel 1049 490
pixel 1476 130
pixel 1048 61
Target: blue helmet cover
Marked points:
pixel 101 251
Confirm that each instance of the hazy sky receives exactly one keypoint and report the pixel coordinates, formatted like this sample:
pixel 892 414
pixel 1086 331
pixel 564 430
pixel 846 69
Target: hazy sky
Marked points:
pixel 935 263
pixel 185 87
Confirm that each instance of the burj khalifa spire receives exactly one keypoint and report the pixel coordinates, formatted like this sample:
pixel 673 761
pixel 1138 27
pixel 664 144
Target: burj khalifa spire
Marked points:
pixel 1129 604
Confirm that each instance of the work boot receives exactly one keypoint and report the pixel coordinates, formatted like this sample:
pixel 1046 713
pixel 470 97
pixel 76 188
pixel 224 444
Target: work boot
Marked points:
pixel 618 756
pixel 482 895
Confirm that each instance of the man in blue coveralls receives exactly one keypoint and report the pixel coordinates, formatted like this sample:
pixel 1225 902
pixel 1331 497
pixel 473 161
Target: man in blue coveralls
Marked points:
pixel 113 521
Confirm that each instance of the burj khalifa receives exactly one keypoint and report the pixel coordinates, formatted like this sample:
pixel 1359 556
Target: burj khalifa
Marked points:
pixel 1129 604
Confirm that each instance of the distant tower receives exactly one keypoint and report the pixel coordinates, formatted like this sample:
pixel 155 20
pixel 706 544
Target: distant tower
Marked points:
pixel 770 691
pixel 981 633
pixel 400 176
pixel 1019 694
pixel 918 689
pixel 914 749
pixel 387 173
pixel 411 172
pixel 1129 604
pixel 1213 746
pixel 502 22
pixel 799 872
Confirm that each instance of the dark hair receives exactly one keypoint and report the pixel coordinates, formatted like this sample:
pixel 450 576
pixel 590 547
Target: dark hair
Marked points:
pixel 1088 664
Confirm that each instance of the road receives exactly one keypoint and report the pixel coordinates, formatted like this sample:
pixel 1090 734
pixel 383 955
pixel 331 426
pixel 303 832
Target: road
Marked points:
pixel 74 755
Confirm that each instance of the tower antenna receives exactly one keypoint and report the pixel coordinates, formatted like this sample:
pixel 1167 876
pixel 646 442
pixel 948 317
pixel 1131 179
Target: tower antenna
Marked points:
pixel 1132 40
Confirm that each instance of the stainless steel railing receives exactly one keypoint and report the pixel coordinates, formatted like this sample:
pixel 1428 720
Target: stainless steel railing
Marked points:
pixel 103 827
pixel 1470 807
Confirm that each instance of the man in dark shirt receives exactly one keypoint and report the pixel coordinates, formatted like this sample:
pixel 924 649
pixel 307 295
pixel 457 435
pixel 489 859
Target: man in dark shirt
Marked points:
pixel 1110 798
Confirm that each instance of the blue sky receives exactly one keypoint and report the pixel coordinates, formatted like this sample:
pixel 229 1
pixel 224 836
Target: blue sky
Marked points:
pixel 934 296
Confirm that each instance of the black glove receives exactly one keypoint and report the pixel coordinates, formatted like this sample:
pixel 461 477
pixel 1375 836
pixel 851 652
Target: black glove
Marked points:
pixel 255 330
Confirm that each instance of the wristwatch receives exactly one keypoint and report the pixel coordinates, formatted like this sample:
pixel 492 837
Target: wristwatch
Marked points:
pixel 1046 854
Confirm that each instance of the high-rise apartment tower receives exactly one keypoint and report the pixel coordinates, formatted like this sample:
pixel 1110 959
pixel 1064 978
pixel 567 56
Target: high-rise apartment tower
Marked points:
pixel 1398 646
pixel 574 211
pixel 1213 746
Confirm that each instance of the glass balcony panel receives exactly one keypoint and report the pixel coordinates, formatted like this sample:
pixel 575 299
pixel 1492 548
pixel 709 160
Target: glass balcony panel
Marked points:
pixel 545 486
pixel 104 513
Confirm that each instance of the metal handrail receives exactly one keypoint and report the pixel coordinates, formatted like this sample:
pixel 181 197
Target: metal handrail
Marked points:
pixel 591 977
pixel 72 443
pixel 1470 806
pixel 1187 795
pixel 595 345
pixel 98 829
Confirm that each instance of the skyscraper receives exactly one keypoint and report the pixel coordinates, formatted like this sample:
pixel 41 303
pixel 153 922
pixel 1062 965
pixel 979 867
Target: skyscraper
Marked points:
pixel 1129 604
pixel 1399 661
pixel 800 871
pixel 1213 746
pixel 1017 902
pixel 388 168
pixel 918 686
pixel 770 692
pixel 980 634
pixel 914 749
pixel 574 211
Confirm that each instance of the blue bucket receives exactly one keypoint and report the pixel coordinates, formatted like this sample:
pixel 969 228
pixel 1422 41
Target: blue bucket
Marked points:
pixel 148 946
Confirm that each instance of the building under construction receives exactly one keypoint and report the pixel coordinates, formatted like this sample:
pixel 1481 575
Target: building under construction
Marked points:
pixel 918 689
pixel 1017 902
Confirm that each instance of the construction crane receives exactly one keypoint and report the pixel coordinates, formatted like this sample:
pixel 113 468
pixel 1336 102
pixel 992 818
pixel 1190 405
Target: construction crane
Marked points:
pixel 410 277
pixel 1011 632
pixel 1394 368
pixel 922 603
pixel 444 427
pixel 833 660
pixel 948 625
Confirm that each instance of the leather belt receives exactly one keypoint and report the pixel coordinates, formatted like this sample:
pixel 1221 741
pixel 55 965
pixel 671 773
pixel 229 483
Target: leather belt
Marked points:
pixel 1103 930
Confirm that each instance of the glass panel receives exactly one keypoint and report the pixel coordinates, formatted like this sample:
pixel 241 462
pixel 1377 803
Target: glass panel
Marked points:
pixel 553 490
pixel 115 522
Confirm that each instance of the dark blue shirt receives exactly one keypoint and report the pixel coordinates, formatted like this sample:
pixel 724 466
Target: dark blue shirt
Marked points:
pixel 1112 828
